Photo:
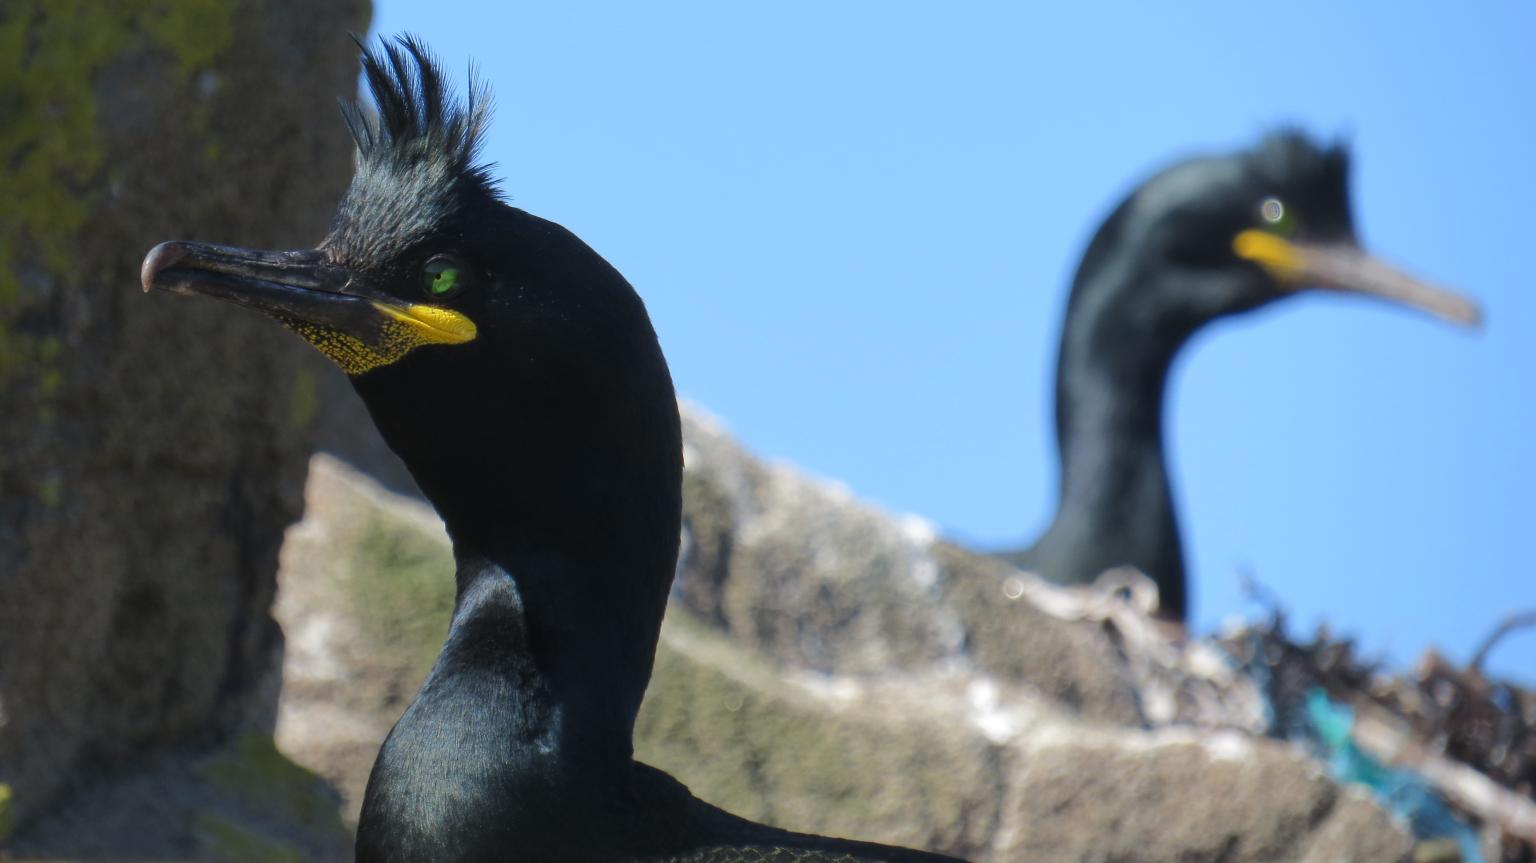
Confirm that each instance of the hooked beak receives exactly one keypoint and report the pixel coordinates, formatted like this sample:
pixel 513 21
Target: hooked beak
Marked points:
pixel 1347 268
pixel 360 329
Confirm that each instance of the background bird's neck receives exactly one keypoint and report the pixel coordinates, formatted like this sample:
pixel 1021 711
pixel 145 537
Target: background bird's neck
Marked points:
pixel 1116 503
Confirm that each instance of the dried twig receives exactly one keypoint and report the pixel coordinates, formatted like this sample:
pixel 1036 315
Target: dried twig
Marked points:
pixel 1510 624
pixel 1469 789
pixel 1258 592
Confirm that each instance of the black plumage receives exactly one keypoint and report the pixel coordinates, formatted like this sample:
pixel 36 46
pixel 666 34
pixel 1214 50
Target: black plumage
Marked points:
pixel 517 375
pixel 1201 240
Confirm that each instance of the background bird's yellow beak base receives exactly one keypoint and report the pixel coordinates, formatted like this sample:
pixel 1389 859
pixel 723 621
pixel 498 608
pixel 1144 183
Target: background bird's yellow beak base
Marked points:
pixel 1273 253
pixel 1347 268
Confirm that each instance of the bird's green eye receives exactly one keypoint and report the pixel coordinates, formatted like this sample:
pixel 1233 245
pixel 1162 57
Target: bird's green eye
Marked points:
pixel 1277 218
pixel 442 277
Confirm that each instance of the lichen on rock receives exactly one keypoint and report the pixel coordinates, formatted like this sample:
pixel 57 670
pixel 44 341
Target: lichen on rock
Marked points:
pixel 146 473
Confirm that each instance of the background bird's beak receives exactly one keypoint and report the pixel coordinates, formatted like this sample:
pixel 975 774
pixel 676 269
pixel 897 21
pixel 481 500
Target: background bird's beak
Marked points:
pixel 358 328
pixel 1346 267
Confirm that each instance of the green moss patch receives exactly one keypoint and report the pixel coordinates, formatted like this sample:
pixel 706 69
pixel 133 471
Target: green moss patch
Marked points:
pixel 401 589
pixel 726 724
pixel 224 841
pixel 7 817
pixel 51 149
pixel 257 775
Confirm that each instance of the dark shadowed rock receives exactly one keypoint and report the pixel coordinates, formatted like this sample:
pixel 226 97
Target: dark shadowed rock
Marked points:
pixel 152 449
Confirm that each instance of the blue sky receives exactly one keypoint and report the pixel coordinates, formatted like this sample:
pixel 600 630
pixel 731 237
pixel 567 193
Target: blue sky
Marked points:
pixel 854 225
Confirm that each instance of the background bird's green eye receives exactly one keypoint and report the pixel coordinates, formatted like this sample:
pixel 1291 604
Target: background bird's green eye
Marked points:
pixel 1277 218
pixel 441 277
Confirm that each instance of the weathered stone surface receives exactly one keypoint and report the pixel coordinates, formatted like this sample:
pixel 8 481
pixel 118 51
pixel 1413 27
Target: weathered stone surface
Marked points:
pixel 1180 796
pixel 942 757
pixel 241 803
pixel 820 754
pixel 834 598
pixel 366 590
pixel 151 448
pixel 800 571
pixel 803 572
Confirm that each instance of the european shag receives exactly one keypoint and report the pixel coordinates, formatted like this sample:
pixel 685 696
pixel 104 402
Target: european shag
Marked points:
pixel 517 375
pixel 1203 239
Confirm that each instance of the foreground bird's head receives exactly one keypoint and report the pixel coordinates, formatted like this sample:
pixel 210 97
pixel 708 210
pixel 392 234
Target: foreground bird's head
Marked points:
pixel 513 369
pixel 1216 236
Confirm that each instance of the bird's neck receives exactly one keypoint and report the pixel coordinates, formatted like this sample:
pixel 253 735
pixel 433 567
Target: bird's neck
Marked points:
pixel 582 513
pixel 581 672
pixel 512 731
pixel 1116 503
pixel 565 532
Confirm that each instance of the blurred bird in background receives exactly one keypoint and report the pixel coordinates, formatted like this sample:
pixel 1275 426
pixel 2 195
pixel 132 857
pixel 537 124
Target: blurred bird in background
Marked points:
pixel 1202 240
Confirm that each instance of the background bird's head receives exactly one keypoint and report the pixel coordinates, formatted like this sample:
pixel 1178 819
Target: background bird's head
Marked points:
pixel 1216 236
pixel 512 368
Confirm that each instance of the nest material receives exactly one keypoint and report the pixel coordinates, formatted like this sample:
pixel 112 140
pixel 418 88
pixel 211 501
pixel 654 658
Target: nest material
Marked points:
pixel 1471 739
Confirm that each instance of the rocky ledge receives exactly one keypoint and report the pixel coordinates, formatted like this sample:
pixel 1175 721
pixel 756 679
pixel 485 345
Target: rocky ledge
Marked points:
pixel 831 668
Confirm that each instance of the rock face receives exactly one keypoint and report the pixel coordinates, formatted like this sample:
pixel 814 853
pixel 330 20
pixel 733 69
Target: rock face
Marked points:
pixel 949 753
pixel 152 448
pixel 1181 796
pixel 798 569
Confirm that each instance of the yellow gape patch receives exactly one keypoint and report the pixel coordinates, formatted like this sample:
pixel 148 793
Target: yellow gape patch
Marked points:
pixel 1276 254
pixel 404 330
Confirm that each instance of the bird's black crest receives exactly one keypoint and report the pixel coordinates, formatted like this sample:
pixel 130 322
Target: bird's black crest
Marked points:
pixel 419 118
pixel 416 156
pixel 1289 157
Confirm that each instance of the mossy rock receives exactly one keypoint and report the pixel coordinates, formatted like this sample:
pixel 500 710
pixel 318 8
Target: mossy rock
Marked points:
pixel 224 841
pixel 1068 662
pixel 262 779
pixel 149 458
pixel 400 583
pixel 267 808
pixel 7 815
pixel 743 737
